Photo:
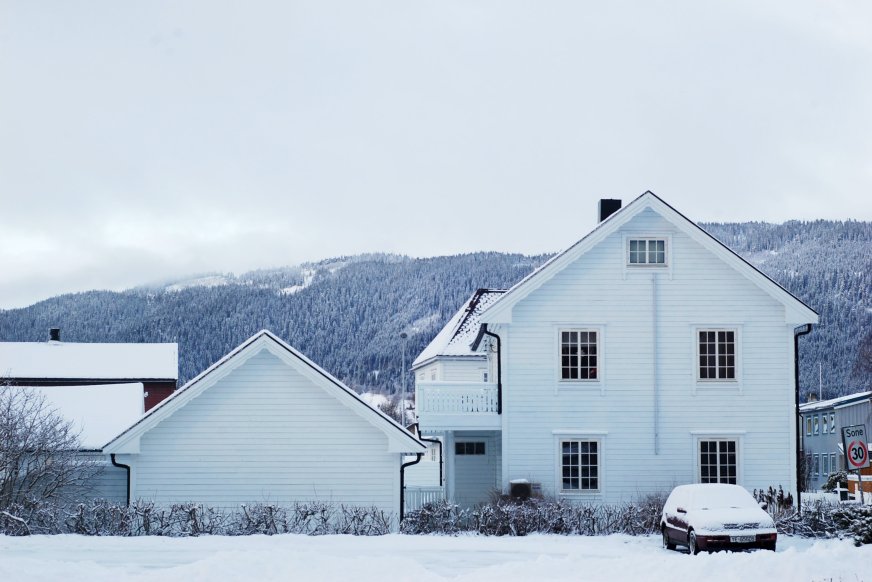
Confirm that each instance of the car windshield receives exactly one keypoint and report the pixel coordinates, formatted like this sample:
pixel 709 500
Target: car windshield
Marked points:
pixel 721 497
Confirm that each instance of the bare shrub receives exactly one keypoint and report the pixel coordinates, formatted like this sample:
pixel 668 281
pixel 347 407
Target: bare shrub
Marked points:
pixel 40 462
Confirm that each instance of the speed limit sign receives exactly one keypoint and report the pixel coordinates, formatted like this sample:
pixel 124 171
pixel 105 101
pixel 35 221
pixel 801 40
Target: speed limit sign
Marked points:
pixel 856 447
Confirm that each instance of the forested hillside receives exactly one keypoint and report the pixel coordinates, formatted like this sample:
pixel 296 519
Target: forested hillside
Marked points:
pixel 347 314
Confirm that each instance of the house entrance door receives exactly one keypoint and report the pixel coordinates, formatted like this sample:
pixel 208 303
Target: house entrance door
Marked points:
pixel 475 465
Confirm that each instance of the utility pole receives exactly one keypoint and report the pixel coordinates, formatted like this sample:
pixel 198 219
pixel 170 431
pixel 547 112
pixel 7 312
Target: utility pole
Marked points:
pixel 403 336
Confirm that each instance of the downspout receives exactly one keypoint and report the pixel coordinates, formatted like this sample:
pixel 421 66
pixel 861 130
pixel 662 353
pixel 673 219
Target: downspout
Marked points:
pixel 127 468
pixel 403 484
pixel 499 368
pixel 654 339
pixel 436 441
pixel 798 417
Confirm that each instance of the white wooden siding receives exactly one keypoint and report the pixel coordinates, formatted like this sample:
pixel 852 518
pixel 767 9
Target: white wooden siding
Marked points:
pixel 698 290
pixel 266 434
pixel 109 483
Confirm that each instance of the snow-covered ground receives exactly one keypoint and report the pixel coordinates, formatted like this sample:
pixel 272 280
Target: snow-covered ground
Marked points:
pixel 416 559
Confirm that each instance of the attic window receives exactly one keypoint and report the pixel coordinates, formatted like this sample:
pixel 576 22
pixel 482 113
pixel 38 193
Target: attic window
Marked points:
pixel 647 252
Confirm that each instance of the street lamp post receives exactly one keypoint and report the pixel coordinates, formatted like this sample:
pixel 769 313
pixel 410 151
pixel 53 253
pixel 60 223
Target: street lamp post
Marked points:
pixel 403 336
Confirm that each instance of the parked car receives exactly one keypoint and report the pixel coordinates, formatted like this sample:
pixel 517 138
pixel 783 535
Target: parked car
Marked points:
pixel 715 516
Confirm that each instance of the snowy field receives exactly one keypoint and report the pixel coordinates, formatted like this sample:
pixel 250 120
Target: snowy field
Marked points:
pixel 416 558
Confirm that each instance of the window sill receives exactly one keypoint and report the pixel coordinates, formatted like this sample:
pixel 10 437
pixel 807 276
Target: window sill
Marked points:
pixel 580 386
pixel 716 386
pixel 581 494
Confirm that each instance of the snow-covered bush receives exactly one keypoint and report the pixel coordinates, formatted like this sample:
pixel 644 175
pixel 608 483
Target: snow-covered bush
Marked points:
pixel 855 520
pixel 535 515
pixel 439 517
pixel 775 499
pixel 839 479
pixel 103 518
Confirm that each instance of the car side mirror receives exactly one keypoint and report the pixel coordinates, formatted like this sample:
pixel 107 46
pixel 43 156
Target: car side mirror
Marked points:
pixel 680 510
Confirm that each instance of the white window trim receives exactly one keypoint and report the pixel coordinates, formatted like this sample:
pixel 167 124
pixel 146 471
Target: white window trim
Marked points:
pixel 599 382
pixel 732 435
pixel 598 436
pixel 705 384
pixel 646 268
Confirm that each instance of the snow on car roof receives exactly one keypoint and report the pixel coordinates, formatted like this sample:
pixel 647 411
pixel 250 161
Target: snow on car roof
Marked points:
pixel 717 495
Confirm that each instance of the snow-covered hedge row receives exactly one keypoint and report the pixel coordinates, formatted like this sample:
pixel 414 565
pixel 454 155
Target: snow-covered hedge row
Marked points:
pixel 513 518
pixel 102 518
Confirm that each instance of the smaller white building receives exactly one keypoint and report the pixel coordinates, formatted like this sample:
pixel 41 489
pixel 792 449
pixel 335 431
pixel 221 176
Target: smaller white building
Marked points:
pixel 265 424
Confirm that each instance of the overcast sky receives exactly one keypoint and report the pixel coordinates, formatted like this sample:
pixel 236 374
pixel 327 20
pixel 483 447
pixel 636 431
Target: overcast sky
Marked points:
pixel 147 140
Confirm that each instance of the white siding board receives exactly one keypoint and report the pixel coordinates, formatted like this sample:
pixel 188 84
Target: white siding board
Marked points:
pixel 699 290
pixel 265 433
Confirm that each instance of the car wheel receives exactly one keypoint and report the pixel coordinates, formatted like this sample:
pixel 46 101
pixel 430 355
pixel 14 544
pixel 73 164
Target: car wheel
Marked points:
pixel 692 546
pixel 667 543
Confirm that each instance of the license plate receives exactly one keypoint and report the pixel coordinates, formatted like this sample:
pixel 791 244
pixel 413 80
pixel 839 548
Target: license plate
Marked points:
pixel 742 539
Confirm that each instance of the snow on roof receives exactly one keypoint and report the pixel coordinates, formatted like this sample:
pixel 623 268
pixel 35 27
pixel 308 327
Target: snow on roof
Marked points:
pixel 835 402
pixel 57 360
pixel 461 330
pixel 99 412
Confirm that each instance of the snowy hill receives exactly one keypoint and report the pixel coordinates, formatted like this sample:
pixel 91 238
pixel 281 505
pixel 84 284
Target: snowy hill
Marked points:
pixel 347 313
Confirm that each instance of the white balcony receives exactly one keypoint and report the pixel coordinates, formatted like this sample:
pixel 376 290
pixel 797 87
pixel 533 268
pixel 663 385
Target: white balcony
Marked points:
pixel 457 406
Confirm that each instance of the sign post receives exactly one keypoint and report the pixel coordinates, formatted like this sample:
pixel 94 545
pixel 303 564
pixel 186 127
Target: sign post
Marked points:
pixel 855 444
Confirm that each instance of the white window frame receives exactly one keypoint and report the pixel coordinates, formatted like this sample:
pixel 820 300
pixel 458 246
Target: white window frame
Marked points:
pixel 834 462
pixel 832 423
pixel 734 383
pixel 825 464
pixel 598 437
pixel 817 424
pixel 825 427
pixel 630 268
pixel 808 425
pixel 816 464
pixel 738 436
pixel 576 383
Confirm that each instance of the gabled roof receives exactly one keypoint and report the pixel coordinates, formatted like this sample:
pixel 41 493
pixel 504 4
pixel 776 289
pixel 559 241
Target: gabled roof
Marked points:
pixel 399 439
pixel 97 413
pixel 63 360
pixel 836 402
pixel 456 338
pixel 796 312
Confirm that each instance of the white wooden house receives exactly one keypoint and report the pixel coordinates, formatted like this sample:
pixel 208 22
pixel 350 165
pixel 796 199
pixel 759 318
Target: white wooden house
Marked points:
pixel 265 424
pixel 646 355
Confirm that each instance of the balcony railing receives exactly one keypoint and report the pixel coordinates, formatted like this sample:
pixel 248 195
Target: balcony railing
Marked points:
pixel 456 405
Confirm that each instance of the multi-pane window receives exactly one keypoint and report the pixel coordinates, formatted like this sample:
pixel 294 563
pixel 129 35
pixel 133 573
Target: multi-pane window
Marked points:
pixel 578 354
pixel 825 428
pixel 647 252
pixel 817 426
pixel 833 463
pixel 816 467
pixel 825 464
pixel 717 354
pixel 579 465
pixel 469 448
pixel 808 426
pixel 718 461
